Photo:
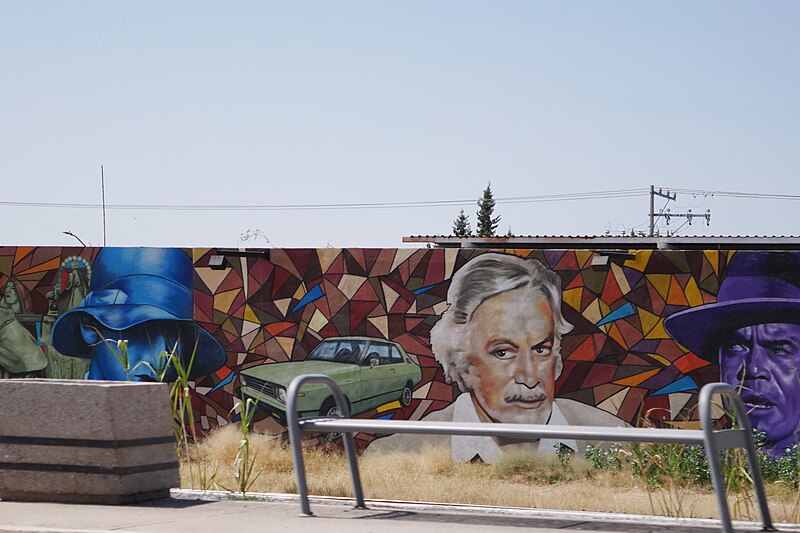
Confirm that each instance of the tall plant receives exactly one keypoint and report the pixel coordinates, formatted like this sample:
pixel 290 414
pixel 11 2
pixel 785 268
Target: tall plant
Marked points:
pixel 461 226
pixel 487 222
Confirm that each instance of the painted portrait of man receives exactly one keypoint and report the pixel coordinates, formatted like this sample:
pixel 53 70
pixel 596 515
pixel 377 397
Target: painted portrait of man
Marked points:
pixel 500 342
pixel 753 330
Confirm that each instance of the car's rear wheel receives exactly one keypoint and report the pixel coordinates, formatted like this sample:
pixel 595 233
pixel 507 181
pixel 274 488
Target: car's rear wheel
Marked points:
pixel 406 395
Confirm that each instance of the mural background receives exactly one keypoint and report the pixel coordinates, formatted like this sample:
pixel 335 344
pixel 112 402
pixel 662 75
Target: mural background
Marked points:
pixel 277 306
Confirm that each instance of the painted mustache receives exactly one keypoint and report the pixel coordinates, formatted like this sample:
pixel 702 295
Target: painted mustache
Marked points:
pixel 526 398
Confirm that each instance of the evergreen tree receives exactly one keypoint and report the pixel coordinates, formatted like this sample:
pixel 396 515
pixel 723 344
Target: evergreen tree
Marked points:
pixel 486 224
pixel 461 227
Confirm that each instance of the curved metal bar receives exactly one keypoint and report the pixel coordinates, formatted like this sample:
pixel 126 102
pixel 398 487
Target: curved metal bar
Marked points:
pixel 295 434
pixel 716 441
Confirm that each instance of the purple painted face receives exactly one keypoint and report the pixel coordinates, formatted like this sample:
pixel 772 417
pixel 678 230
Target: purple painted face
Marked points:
pixel 764 360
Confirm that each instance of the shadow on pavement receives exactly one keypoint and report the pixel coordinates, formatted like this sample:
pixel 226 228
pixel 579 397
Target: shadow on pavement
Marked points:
pixel 170 503
pixel 530 522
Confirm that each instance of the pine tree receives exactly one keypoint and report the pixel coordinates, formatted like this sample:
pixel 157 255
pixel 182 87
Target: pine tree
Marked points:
pixel 461 226
pixel 486 224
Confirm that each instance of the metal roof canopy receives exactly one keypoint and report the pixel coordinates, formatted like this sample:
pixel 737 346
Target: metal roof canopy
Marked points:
pixel 604 242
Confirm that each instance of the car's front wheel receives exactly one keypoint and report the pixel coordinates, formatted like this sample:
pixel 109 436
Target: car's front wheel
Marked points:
pixel 406 395
pixel 330 409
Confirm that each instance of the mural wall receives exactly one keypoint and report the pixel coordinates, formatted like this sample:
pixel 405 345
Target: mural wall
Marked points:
pixel 507 336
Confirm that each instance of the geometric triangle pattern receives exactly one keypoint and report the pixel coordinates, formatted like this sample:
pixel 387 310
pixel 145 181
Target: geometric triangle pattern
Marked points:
pixel 267 306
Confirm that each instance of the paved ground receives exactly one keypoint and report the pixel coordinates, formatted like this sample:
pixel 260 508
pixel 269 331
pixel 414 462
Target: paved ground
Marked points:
pixel 184 514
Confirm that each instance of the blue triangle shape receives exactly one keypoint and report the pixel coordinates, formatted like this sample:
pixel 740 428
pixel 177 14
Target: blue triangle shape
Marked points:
pixel 616 314
pixel 314 294
pixel 686 383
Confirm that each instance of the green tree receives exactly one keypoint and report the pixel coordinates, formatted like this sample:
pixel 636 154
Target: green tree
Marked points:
pixel 486 223
pixel 461 226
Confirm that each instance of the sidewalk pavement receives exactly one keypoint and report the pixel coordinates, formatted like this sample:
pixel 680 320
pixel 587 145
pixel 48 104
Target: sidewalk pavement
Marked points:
pixel 183 513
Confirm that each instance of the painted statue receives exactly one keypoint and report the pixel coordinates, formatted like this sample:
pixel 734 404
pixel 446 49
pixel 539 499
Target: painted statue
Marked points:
pixel 20 354
pixel 142 296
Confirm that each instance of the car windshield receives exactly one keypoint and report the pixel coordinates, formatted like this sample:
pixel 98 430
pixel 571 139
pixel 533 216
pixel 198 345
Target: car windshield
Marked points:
pixel 338 351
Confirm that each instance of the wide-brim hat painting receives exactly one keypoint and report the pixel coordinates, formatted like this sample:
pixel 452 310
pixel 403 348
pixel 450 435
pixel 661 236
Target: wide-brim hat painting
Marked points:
pixel 759 288
pixel 132 286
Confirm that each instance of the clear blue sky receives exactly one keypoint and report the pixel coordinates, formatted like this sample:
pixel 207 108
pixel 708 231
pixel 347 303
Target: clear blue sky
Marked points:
pixel 200 103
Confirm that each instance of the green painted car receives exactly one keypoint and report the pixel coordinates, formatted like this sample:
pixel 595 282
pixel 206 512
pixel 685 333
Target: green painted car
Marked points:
pixel 370 372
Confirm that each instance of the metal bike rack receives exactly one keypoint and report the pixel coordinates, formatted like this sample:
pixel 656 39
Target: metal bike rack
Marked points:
pixel 713 441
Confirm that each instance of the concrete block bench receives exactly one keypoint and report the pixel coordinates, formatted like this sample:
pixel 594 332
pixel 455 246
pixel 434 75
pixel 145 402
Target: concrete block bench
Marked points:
pixel 86 441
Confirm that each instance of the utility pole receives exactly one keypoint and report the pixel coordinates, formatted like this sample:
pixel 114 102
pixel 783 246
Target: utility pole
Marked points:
pixel 103 193
pixel 688 215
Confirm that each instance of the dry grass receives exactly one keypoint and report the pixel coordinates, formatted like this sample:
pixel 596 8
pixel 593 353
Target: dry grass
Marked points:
pixel 519 480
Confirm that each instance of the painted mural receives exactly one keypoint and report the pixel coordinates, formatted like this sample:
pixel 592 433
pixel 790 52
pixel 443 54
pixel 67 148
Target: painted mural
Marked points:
pixel 506 336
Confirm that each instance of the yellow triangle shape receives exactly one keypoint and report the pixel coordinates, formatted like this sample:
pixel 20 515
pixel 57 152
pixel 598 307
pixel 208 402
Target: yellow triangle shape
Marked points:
pixel 582 256
pixel 300 292
pixel 692 292
pixel 388 406
pixel 658 332
pixel 229 327
pixel 258 340
pixel 641 260
pixel 648 320
pixel 660 282
pixel 689 424
pixel 713 259
pixel 197 253
pixel 661 359
pixel 249 315
pixel 633 381
pixel 572 298
pixel 223 300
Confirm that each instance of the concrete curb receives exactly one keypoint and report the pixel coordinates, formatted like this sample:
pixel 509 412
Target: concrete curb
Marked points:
pixel 396 505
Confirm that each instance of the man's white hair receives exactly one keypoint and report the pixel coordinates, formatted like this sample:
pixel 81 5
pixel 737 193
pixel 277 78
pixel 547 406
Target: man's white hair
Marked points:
pixel 481 278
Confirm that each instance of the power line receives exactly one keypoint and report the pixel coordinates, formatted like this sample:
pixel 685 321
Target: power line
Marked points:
pixel 596 195
pixel 562 197
pixel 736 194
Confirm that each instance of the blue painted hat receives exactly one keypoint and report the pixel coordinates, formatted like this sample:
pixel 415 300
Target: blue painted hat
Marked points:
pixel 759 288
pixel 131 286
